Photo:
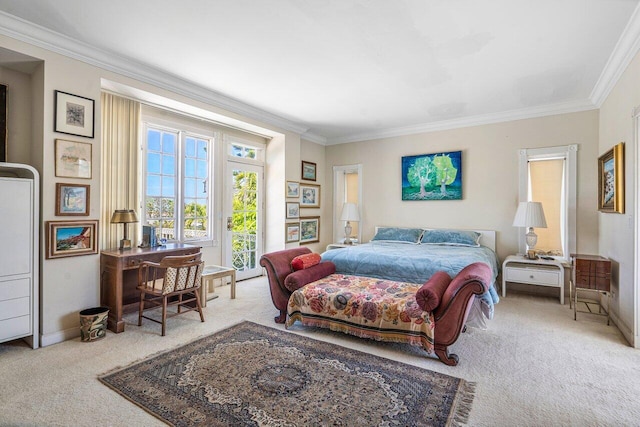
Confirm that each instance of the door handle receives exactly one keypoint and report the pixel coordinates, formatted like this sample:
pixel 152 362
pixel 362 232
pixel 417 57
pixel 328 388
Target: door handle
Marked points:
pixel 229 224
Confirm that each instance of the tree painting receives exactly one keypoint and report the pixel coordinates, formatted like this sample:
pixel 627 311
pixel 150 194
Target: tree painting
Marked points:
pixel 435 176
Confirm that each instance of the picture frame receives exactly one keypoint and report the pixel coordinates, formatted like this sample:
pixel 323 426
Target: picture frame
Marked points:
pixel 436 176
pixel 74 115
pixel 309 171
pixel 293 210
pixel 309 195
pixel 611 180
pixel 293 189
pixel 309 229
pixel 72 199
pixel 71 238
pixel 292 232
pixel 73 159
pixel 3 122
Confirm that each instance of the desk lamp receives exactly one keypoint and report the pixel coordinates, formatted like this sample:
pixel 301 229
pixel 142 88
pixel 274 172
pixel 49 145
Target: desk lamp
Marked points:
pixel 124 216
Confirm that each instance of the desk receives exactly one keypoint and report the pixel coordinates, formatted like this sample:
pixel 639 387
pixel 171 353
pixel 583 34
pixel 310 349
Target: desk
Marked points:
pixel 119 277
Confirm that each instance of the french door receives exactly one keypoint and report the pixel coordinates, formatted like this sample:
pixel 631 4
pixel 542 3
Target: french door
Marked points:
pixel 243 218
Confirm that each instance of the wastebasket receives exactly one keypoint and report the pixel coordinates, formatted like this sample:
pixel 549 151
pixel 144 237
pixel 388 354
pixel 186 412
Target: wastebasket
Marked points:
pixel 93 323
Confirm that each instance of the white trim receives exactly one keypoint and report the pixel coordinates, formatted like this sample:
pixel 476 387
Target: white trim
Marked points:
pixel 633 336
pixel 569 153
pixel 624 51
pixel 483 119
pixel 338 178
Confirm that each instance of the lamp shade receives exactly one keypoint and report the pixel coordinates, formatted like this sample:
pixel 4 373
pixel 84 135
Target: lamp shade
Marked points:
pixel 124 216
pixel 530 214
pixel 350 212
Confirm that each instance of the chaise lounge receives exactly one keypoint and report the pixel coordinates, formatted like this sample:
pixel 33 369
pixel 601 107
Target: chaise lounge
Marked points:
pixel 430 315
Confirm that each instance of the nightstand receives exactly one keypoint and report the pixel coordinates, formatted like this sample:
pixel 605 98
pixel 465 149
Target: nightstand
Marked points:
pixel 339 245
pixel 541 272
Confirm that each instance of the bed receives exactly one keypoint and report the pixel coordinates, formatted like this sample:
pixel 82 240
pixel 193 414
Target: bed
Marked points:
pixel 413 255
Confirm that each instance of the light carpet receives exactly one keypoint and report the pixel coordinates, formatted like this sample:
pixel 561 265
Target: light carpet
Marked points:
pixel 533 365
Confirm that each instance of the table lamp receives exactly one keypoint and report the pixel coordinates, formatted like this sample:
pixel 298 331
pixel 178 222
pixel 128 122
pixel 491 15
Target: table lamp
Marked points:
pixel 124 216
pixel 349 213
pixel 530 215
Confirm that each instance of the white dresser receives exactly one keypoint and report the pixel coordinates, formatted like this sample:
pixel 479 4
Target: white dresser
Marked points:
pixel 19 254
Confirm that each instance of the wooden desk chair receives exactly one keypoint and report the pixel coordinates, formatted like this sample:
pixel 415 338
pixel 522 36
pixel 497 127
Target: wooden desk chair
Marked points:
pixel 167 283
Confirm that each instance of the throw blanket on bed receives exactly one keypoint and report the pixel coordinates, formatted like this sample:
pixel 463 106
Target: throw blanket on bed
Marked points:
pixel 413 263
pixel 365 307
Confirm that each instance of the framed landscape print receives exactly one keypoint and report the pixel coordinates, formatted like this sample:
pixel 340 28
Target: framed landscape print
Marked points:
pixel 310 229
pixel 293 189
pixel 71 238
pixel 74 114
pixel 292 232
pixel 309 196
pixel 72 199
pixel 73 159
pixel 435 176
pixel 309 171
pixel 293 210
pixel 611 180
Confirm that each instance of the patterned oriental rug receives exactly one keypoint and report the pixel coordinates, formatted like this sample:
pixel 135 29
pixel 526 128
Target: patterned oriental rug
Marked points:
pixel 252 375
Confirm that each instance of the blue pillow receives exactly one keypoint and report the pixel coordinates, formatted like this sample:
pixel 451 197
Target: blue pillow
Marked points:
pixel 451 238
pixel 400 235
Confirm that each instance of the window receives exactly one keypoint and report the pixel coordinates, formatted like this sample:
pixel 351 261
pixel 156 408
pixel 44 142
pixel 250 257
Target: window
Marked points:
pixel 548 175
pixel 176 188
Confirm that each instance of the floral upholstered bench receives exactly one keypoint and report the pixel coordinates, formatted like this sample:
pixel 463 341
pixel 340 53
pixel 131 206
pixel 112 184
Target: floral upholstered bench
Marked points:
pixel 431 315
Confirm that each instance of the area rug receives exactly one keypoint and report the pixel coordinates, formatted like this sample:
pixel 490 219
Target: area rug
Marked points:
pixel 253 375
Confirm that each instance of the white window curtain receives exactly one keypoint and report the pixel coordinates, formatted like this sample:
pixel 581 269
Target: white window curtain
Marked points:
pixel 119 169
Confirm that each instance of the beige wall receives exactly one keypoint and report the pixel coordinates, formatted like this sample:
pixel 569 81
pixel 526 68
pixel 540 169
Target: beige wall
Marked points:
pixel 315 153
pixel 617 230
pixel 490 176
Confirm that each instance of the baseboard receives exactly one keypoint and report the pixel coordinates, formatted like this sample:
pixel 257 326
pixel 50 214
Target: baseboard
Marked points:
pixel 626 331
pixel 58 337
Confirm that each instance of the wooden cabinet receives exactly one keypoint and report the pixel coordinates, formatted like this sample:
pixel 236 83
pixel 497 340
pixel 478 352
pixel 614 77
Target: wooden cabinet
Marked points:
pixel 19 255
pixel 119 277
pixel 590 273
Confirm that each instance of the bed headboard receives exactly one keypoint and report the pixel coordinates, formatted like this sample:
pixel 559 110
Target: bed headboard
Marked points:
pixel 487 237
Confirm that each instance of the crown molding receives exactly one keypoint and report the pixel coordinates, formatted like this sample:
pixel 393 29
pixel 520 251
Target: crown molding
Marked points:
pixel 37 35
pixel 483 119
pixel 622 55
pixel 314 137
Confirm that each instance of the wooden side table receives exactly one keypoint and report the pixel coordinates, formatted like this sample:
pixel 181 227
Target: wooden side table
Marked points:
pixel 590 273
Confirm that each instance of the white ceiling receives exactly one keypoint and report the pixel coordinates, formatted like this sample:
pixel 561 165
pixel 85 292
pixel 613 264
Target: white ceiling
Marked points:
pixel 346 70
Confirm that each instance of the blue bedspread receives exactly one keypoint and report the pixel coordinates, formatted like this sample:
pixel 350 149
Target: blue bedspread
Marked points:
pixel 413 263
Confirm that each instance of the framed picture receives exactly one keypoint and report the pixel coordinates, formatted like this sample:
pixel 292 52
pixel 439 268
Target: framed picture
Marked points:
pixel 308 171
pixel 435 176
pixel 74 114
pixel 310 229
pixel 72 199
pixel 293 210
pixel 292 232
pixel 309 196
pixel 73 159
pixel 293 189
pixel 71 238
pixel 611 180
pixel 3 123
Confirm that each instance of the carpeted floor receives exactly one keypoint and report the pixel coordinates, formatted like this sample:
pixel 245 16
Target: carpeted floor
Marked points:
pixel 250 374
pixel 533 365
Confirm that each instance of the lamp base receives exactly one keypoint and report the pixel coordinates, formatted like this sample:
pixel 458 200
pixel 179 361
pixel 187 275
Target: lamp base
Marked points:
pixel 125 244
pixel 347 233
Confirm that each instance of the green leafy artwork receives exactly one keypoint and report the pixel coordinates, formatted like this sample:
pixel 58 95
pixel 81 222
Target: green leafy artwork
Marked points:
pixel 432 176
